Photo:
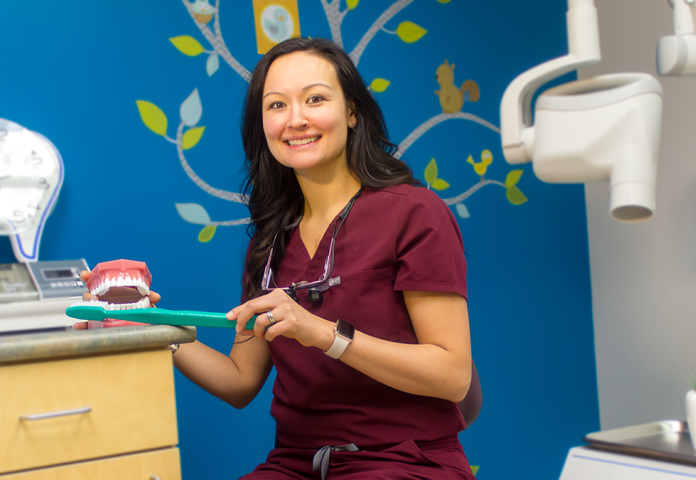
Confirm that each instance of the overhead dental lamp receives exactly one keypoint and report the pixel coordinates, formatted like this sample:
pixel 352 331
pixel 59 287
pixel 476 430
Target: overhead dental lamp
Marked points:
pixel 600 128
pixel 676 54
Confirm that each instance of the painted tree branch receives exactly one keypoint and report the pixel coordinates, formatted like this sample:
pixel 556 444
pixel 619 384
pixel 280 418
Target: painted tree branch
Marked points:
pixel 395 8
pixel 216 192
pixel 428 124
pixel 335 18
pixel 216 40
pixel 230 223
pixel 471 191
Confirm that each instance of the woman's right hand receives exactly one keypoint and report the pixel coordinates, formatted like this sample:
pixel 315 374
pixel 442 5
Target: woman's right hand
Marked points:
pixel 87 296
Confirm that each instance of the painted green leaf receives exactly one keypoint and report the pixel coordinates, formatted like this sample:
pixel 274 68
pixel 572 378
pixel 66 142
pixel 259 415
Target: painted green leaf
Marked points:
pixel 353 3
pixel 152 116
pixel 379 85
pixel 431 172
pixel 409 32
pixel 462 211
pixel 207 234
pixel 513 177
pixel 440 184
pixel 193 213
pixel 191 137
pixel 187 45
pixel 515 196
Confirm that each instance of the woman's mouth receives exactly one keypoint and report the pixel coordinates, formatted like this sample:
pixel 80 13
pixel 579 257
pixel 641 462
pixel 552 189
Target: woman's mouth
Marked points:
pixel 303 141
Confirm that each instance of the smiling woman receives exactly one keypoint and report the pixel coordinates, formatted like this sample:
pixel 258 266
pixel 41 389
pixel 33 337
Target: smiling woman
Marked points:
pixel 372 357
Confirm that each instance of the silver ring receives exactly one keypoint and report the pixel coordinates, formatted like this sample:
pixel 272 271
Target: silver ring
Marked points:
pixel 271 318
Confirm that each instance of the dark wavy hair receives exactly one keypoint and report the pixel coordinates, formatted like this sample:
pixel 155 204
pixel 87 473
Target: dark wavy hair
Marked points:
pixel 274 195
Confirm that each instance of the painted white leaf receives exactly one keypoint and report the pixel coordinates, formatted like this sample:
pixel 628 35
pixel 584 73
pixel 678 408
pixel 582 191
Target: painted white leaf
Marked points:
pixel 212 65
pixel 191 110
pixel 193 213
pixel 462 211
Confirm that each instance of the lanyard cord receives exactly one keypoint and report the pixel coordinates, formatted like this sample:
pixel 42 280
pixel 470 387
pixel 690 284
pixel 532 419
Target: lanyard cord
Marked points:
pixel 328 263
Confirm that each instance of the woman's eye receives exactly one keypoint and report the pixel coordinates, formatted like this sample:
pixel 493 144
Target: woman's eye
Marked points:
pixel 315 99
pixel 276 105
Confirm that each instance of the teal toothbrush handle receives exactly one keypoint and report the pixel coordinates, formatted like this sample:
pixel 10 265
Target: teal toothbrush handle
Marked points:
pixel 158 316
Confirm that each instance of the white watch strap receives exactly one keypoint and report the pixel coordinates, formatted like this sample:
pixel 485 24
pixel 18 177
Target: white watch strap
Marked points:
pixel 338 346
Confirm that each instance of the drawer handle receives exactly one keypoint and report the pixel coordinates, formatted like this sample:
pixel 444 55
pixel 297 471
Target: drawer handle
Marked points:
pixel 63 413
pixel 154 477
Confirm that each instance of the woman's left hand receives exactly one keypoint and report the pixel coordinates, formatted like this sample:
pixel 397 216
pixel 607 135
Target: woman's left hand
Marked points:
pixel 290 320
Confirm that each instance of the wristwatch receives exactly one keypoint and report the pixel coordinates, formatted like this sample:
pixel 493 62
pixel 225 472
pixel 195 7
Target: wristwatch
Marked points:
pixel 343 336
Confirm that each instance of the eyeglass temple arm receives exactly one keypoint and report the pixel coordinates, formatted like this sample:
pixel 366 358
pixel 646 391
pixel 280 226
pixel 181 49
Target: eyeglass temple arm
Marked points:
pixel 268 272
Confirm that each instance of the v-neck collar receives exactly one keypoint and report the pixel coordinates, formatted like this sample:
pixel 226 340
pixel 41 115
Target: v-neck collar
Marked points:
pixel 314 266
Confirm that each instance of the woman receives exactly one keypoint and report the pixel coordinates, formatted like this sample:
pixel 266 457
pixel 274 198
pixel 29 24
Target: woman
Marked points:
pixel 372 360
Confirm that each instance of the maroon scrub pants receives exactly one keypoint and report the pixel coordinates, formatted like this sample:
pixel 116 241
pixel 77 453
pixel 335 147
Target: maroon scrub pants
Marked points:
pixel 441 460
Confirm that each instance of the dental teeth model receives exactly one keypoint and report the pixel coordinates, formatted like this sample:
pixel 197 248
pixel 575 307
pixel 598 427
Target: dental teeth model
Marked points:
pixel 119 285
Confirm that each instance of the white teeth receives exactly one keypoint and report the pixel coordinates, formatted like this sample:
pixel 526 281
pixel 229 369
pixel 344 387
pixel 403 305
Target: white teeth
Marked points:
pixel 129 282
pixel 303 141
pixel 120 282
pixel 91 303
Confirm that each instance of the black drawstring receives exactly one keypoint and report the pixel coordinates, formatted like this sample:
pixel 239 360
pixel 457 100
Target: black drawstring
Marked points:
pixel 321 458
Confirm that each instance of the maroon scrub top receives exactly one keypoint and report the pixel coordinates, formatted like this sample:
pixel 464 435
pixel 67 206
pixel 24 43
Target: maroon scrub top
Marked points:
pixel 396 239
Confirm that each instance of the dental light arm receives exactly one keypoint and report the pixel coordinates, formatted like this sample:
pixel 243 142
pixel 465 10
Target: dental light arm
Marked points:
pixel 516 118
pixel 600 128
pixel 676 54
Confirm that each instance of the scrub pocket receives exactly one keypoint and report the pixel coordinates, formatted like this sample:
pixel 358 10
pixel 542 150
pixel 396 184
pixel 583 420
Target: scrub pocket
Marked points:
pixel 442 460
pixel 370 296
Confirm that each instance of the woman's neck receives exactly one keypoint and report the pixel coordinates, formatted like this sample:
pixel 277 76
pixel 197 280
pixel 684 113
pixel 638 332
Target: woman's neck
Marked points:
pixel 323 200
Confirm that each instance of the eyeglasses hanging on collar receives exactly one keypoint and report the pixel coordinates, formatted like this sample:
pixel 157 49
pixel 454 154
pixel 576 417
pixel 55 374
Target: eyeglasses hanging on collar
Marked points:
pixel 324 282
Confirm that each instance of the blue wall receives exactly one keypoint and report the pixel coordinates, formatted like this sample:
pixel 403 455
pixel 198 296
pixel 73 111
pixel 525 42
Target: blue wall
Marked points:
pixel 73 72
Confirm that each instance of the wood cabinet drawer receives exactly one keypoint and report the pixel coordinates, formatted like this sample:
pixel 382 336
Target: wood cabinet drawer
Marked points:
pixel 162 465
pixel 131 396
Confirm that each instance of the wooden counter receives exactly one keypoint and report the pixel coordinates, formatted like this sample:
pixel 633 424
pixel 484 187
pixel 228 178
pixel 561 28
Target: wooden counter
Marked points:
pixel 77 404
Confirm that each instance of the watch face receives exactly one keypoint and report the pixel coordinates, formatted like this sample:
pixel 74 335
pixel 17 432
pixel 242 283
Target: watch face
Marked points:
pixel 345 329
pixel 31 174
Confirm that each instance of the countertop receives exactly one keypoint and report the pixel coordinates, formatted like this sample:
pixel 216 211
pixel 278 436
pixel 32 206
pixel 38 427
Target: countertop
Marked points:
pixel 24 347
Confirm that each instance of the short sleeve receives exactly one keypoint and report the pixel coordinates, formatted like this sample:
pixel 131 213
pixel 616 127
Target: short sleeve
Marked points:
pixel 429 246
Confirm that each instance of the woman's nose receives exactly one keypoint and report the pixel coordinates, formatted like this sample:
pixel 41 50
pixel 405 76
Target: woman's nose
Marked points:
pixel 297 120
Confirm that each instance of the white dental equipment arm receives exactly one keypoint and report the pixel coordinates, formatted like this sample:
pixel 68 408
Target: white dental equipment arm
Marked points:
pixel 676 54
pixel 516 116
pixel 600 128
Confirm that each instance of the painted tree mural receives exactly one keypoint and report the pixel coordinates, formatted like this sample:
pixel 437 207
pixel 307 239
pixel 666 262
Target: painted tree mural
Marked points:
pixel 189 133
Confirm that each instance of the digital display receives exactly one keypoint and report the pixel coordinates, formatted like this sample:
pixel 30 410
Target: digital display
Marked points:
pixel 62 273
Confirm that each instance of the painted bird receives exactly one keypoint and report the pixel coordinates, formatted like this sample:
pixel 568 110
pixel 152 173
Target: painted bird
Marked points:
pixel 277 29
pixel 481 167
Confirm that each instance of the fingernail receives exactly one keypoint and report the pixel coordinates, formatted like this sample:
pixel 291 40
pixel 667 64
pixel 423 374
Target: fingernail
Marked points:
pixel 238 329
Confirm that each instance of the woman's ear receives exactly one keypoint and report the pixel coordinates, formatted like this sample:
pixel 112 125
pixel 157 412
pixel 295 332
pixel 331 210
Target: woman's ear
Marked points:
pixel 352 115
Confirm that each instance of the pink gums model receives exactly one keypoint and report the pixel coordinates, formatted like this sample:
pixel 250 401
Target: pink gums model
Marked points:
pixel 124 284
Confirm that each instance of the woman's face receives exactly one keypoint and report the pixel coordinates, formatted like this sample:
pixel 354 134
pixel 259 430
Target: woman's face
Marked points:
pixel 305 116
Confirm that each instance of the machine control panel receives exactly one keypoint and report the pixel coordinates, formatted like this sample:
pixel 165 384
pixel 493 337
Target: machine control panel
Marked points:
pixel 16 284
pixel 58 279
pixel 34 295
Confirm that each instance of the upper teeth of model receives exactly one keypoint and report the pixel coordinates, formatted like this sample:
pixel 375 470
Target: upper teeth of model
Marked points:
pixel 121 282
pixel 303 141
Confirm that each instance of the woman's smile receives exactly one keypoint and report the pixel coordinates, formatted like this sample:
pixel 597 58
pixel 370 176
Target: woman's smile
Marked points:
pixel 303 141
